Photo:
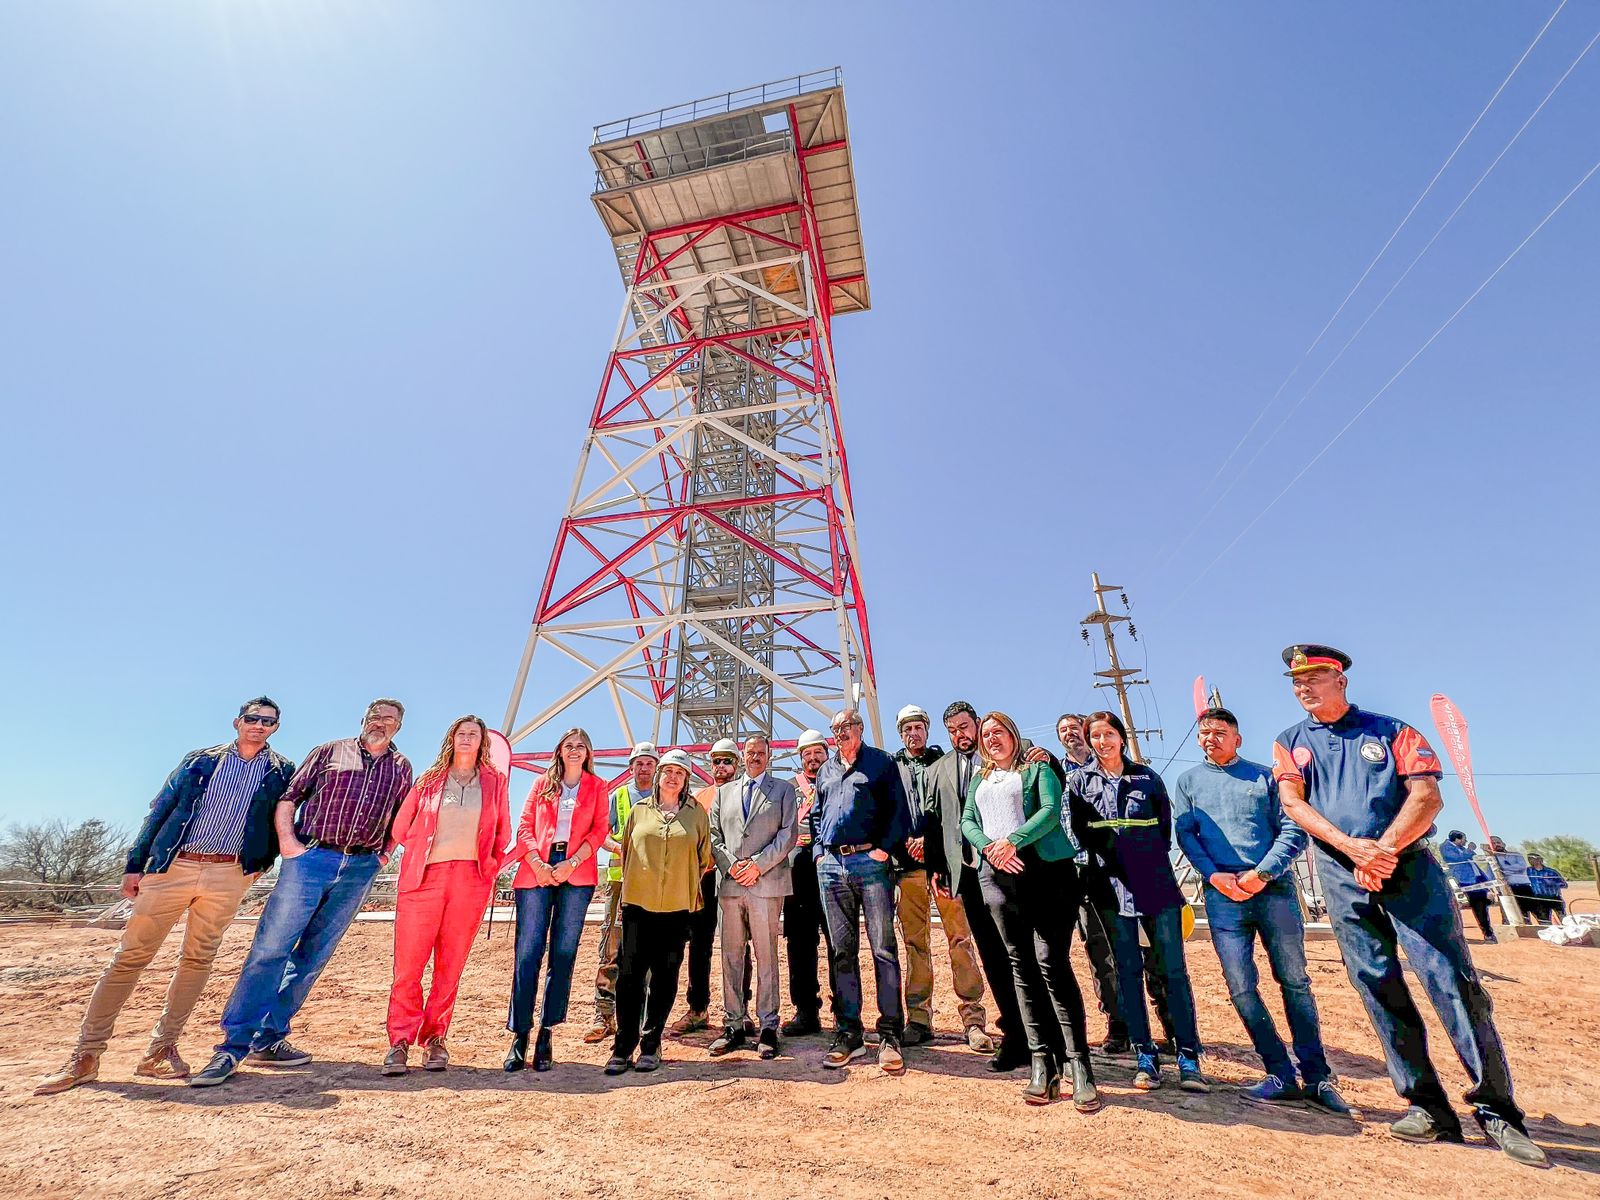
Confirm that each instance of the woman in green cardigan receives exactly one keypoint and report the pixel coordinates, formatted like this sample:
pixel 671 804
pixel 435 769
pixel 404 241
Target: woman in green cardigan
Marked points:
pixel 1012 817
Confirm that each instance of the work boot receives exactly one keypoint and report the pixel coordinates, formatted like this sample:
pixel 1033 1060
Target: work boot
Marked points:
pixel 1044 1081
pixel 617 1065
pixel 394 1063
pixel 978 1040
pixel 803 1024
pixel 1085 1095
pixel 162 1062
pixel 80 1068
pixel 1115 1046
pixel 221 1066
pixel 604 1027
pixel 280 1054
pixel 647 1063
pixel 767 1044
pixel 543 1054
pixel 692 1021
pixel 438 1056
pixel 917 1034
pixel 1147 1076
pixel 1513 1140
pixel 1419 1125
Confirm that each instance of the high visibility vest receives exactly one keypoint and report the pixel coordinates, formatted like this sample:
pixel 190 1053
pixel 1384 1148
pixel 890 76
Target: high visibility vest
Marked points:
pixel 621 806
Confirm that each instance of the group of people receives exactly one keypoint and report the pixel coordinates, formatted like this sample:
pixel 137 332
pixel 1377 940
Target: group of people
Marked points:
pixel 1535 889
pixel 1019 849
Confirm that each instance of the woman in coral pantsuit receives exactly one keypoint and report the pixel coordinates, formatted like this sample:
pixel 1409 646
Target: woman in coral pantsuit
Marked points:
pixel 456 826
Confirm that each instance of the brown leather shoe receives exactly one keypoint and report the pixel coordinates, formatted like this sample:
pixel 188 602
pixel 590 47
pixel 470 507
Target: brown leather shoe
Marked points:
pixel 692 1021
pixel 438 1057
pixel 604 1029
pixel 162 1062
pixel 80 1068
pixel 394 1063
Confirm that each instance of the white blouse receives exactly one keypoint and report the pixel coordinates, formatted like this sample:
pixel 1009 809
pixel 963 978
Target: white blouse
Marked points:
pixel 1000 803
pixel 564 811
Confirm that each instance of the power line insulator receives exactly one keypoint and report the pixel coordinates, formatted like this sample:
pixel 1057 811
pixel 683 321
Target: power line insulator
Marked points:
pixel 1084 633
pixel 1125 603
pixel 1133 631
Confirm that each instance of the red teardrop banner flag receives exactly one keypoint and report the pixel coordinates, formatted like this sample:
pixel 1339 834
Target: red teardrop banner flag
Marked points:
pixel 1452 727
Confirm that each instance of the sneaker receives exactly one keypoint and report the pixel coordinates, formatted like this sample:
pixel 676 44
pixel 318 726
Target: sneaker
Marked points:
pixel 438 1057
pixel 1513 1140
pixel 1419 1125
pixel 1115 1047
pixel 162 1062
pixel 1272 1090
pixel 604 1027
pixel 846 1048
pixel 1147 1077
pixel 216 1071
pixel 1189 1077
pixel 803 1024
pixel 1325 1096
pixel 394 1063
pixel 978 1040
pixel 617 1065
pixel 80 1068
pixel 280 1054
pixel 916 1034
pixel 647 1063
pixel 692 1021
pixel 889 1056
pixel 732 1038
pixel 767 1044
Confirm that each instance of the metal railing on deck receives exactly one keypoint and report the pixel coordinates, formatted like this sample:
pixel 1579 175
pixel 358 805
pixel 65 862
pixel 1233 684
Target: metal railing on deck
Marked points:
pixel 710 106
pixel 665 164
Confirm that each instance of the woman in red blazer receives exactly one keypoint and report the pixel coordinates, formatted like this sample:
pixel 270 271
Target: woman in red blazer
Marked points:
pixel 455 824
pixel 567 816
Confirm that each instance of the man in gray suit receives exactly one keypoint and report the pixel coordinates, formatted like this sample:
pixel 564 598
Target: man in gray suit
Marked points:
pixel 753 828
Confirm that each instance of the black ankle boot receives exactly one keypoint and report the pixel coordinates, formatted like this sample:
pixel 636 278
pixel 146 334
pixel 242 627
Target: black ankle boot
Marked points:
pixel 1085 1096
pixel 1044 1082
pixel 516 1057
pixel 543 1057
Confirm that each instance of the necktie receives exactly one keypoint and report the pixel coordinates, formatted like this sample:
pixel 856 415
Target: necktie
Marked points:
pixel 749 791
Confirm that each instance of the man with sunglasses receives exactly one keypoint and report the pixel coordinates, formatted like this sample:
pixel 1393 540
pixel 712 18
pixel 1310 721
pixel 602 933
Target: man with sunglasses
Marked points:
pixel 208 834
pixel 333 822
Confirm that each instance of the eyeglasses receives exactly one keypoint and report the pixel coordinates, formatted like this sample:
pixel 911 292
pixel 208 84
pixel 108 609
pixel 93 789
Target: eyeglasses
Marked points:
pixel 723 758
pixel 258 719
pixel 843 725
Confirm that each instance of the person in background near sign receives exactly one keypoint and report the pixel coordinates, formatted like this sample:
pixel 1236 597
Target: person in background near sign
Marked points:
pixel 1471 880
pixel 857 823
pixel 665 849
pixel 1514 870
pixel 914 899
pixel 642 765
pixel 703 923
pixel 455 825
pixel 803 923
pixel 208 834
pixel 1545 885
pixel 1012 818
pixel 1366 788
pixel 564 823
pixel 752 832
pixel 1091 927
pixel 1231 827
pixel 1122 816
pixel 333 823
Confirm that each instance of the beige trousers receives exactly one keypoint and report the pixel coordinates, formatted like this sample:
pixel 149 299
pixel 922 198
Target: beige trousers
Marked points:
pixel 913 903
pixel 209 893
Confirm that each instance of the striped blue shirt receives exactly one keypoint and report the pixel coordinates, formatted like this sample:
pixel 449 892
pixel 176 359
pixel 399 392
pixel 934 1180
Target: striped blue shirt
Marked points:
pixel 217 826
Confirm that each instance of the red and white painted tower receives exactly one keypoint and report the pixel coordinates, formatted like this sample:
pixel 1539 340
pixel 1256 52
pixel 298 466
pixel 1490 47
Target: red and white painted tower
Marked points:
pixel 705 576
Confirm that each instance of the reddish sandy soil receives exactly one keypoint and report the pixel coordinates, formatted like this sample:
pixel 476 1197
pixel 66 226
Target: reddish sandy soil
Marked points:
pixel 737 1126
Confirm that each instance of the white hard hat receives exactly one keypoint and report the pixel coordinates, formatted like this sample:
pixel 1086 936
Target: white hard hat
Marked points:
pixel 673 758
pixel 643 750
pixel 911 712
pixel 810 738
pixel 725 746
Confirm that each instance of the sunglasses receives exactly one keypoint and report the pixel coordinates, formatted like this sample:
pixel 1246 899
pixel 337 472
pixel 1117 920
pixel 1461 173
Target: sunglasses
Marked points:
pixel 723 758
pixel 258 719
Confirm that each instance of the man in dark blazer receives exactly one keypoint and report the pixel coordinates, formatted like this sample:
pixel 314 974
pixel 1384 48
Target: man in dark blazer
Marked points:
pixel 753 829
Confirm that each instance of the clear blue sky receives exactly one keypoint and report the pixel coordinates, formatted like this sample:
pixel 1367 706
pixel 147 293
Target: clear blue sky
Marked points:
pixel 304 304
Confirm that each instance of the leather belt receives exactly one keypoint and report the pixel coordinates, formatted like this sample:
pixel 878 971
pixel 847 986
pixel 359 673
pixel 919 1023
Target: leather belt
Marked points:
pixel 558 847
pixel 852 848
pixel 190 856
pixel 348 851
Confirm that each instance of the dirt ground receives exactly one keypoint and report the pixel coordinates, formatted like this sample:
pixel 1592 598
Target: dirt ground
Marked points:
pixel 737 1126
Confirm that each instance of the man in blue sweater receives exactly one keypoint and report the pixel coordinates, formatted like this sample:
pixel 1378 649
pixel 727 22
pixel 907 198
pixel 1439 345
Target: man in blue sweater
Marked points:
pixel 1229 824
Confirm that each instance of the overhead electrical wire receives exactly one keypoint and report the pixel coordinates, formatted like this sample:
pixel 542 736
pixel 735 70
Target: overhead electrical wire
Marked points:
pixel 1378 395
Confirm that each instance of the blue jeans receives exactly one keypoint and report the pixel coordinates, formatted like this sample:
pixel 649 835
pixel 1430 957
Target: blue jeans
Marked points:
pixel 1165 932
pixel 550 916
pixel 1274 914
pixel 850 884
pixel 317 896
pixel 1416 912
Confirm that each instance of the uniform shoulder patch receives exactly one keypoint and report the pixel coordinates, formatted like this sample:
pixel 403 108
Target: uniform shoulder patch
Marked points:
pixel 1373 752
pixel 1302 756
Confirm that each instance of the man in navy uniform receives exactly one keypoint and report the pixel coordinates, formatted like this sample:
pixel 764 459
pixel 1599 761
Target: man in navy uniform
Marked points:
pixel 1366 788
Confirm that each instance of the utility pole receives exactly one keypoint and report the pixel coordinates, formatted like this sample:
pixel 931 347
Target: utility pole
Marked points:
pixel 1117 677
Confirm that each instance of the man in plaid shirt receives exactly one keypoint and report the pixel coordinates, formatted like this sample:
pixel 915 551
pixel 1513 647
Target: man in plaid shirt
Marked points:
pixel 332 824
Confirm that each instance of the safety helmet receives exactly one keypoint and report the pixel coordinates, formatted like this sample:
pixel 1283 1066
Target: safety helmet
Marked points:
pixel 810 738
pixel 911 712
pixel 644 750
pixel 725 746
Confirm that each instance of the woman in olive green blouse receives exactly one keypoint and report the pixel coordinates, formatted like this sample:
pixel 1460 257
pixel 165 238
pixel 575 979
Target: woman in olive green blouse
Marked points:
pixel 666 849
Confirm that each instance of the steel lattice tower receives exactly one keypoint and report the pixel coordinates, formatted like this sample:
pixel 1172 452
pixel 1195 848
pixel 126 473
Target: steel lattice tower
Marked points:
pixel 705 574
